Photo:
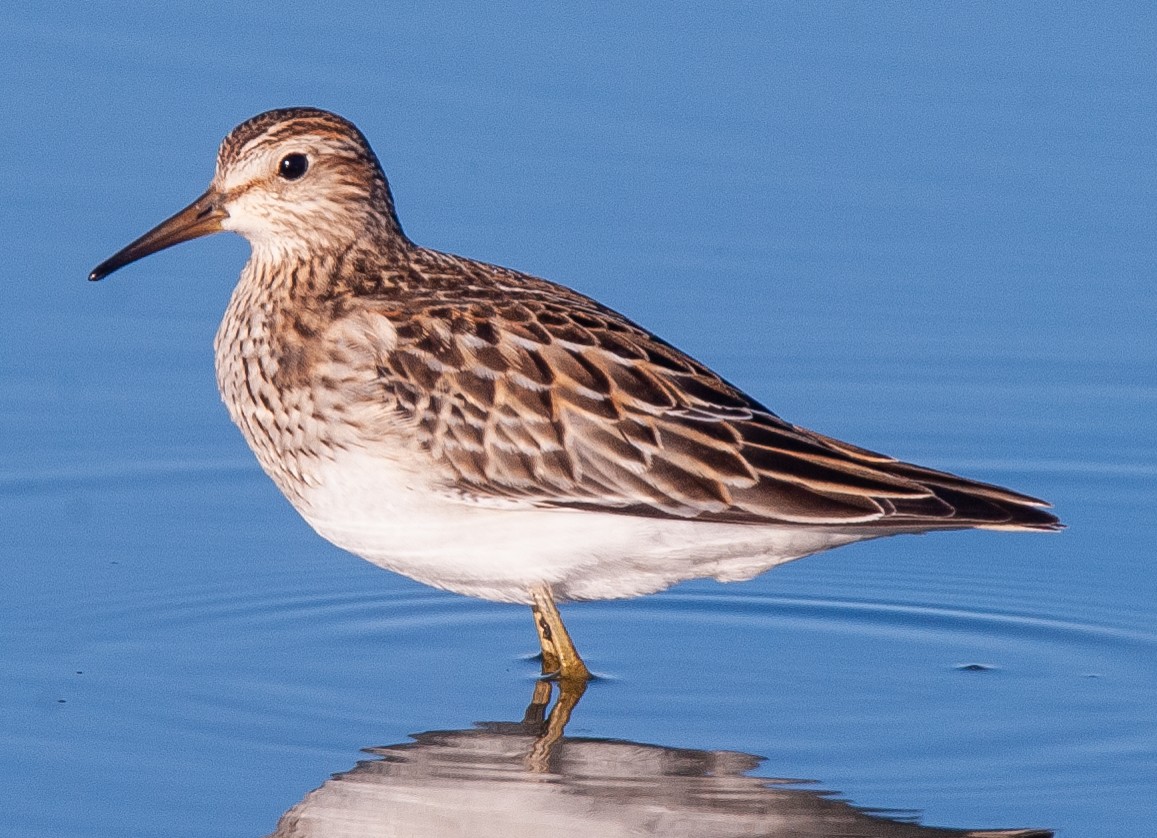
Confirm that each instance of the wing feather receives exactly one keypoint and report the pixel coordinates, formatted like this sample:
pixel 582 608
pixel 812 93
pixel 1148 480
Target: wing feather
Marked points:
pixel 547 397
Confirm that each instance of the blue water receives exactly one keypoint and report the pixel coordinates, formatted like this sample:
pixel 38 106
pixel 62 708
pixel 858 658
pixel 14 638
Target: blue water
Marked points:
pixel 925 228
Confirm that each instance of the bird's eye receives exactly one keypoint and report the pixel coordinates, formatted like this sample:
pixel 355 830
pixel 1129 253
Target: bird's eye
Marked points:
pixel 292 166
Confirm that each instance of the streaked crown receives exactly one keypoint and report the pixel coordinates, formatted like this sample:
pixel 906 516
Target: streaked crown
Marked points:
pixel 302 176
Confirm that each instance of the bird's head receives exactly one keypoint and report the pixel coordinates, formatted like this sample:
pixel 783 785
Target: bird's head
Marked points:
pixel 291 181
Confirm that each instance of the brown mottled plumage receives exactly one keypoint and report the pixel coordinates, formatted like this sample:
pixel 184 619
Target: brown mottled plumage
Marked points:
pixel 403 398
pixel 517 387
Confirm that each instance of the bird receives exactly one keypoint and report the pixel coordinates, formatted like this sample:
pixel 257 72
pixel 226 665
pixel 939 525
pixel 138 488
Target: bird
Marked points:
pixel 498 435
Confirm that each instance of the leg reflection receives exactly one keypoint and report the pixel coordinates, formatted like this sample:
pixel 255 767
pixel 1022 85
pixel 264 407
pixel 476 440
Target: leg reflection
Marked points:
pixel 549 727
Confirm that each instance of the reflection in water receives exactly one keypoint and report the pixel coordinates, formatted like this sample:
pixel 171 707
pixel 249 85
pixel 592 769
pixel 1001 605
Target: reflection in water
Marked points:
pixel 512 779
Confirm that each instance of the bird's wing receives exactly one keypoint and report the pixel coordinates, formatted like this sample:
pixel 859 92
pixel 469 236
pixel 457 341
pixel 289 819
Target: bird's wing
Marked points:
pixel 564 403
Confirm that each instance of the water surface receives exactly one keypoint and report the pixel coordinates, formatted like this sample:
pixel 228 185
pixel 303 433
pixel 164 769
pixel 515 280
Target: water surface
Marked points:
pixel 927 231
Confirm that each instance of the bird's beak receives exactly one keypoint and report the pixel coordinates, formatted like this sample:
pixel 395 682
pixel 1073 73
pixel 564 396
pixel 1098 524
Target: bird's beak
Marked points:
pixel 200 218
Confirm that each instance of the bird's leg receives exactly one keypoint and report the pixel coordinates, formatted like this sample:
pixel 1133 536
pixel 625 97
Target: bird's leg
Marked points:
pixel 550 659
pixel 559 656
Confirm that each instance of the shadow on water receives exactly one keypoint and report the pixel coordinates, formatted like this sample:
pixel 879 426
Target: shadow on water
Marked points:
pixel 513 779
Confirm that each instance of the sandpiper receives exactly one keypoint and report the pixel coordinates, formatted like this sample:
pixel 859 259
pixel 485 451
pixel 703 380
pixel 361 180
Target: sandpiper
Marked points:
pixel 498 435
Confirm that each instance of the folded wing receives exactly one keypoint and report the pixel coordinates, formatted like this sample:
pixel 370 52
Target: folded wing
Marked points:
pixel 561 402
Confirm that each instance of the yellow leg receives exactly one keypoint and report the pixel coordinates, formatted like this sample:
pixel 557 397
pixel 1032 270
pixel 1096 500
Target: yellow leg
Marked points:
pixel 559 656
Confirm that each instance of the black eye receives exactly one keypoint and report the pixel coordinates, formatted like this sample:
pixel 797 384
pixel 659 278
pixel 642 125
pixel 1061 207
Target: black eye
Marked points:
pixel 293 166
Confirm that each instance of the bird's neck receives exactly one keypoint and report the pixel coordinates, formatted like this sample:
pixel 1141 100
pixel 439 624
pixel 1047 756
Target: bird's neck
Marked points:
pixel 285 271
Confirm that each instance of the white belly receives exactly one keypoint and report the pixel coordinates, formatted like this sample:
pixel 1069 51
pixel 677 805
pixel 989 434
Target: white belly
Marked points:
pixel 385 512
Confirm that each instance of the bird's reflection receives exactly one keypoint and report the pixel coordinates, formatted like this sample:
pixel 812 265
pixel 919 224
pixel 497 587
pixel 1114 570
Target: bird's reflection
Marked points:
pixel 513 779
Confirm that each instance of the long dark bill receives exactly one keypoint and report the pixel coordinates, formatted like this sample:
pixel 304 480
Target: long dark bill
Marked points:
pixel 200 218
